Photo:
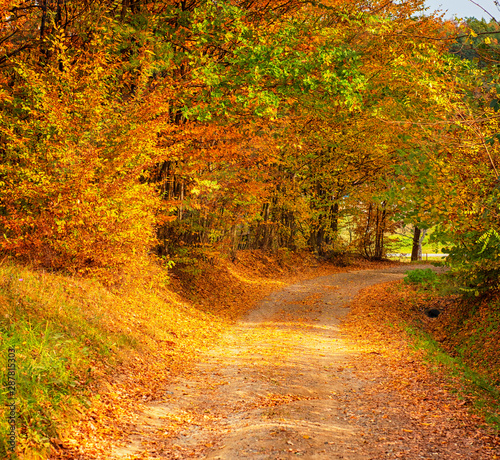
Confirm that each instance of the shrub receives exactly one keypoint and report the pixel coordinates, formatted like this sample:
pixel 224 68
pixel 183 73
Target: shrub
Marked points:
pixel 425 277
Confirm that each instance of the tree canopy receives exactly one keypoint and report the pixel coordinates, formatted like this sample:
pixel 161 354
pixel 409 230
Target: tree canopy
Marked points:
pixel 185 128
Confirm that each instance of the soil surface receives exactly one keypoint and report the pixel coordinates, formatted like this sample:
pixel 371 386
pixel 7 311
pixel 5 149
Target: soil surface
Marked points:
pixel 285 383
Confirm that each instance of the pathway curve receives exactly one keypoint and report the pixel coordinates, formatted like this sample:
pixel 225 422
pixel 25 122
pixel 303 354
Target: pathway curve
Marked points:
pixel 280 385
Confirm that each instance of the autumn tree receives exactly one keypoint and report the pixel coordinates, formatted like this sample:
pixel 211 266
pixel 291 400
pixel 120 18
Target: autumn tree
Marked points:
pixel 452 172
pixel 75 141
pixel 133 126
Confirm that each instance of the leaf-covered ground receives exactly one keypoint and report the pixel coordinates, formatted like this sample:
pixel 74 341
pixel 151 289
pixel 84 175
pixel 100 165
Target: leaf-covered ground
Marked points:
pixel 165 333
pixel 298 376
pixel 418 410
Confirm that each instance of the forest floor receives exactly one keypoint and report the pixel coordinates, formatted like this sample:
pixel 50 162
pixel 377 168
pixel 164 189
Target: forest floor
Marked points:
pixel 300 376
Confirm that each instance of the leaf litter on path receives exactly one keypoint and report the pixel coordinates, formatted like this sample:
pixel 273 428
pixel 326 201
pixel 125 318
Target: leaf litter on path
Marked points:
pixel 288 381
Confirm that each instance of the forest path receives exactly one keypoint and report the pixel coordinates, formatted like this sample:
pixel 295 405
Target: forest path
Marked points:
pixel 283 384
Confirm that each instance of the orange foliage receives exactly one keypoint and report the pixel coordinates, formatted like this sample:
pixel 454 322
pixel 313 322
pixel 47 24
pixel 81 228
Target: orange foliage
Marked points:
pixel 72 192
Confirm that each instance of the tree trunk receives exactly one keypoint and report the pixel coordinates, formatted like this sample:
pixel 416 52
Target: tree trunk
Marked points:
pixel 320 236
pixel 366 237
pixel 379 238
pixel 416 244
pixel 334 222
pixel 234 242
pixel 265 240
pixel 421 239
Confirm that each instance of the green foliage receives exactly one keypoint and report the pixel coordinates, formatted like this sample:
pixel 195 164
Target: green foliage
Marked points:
pixel 258 73
pixel 478 43
pixel 424 277
pixel 475 261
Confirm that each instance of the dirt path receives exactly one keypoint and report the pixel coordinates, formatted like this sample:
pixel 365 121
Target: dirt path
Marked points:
pixel 282 385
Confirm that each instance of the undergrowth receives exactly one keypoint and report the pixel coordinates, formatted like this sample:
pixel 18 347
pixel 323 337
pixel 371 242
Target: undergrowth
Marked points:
pixel 425 277
pixel 51 345
pixel 462 342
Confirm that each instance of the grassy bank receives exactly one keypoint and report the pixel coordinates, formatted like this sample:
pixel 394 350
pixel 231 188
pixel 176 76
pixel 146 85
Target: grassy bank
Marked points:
pixel 465 340
pixel 472 387
pixel 70 335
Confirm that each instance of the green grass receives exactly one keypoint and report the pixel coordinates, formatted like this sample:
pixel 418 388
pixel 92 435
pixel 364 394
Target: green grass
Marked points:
pixel 424 277
pixel 468 384
pixel 50 375
pixel 55 341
